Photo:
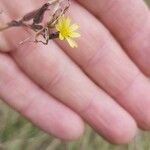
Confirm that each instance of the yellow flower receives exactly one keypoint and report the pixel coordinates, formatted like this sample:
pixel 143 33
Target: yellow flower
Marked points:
pixel 67 31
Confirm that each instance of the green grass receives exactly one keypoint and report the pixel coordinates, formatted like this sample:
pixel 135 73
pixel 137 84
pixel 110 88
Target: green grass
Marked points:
pixel 18 134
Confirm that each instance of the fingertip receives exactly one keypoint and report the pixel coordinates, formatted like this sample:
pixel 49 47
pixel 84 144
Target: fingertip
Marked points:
pixel 124 132
pixel 70 129
pixel 143 118
pixel 111 121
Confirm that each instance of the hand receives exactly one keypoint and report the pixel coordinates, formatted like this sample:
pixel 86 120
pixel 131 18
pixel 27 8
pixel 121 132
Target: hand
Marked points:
pixel 103 82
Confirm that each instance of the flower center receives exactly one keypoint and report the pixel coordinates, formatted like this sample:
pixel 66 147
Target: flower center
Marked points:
pixel 65 32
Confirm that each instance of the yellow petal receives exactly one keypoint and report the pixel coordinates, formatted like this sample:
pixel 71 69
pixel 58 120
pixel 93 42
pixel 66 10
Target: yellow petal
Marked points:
pixel 60 23
pixel 68 22
pixel 74 27
pixel 61 37
pixel 72 43
pixel 75 35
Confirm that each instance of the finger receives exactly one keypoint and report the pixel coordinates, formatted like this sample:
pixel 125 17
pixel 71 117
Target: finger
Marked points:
pixel 36 105
pixel 107 64
pixel 129 21
pixel 56 73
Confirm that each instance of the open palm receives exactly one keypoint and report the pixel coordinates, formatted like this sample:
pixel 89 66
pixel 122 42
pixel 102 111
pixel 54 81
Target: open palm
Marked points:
pixel 102 82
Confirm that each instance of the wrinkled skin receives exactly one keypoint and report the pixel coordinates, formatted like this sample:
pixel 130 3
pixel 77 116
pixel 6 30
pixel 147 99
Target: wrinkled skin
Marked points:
pixel 104 82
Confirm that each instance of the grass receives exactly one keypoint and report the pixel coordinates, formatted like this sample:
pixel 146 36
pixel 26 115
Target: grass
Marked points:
pixel 18 134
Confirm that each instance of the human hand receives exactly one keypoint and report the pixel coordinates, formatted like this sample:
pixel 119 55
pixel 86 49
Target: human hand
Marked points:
pixel 103 82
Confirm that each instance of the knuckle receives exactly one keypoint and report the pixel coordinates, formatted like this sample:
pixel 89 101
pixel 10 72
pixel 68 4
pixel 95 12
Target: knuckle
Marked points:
pixel 54 81
pixel 96 57
pixel 128 86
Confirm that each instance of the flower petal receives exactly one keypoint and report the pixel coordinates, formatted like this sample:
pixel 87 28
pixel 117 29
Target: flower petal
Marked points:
pixel 72 43
pixel 67 31
pixel 74 27
pixel 60 23
pixel 61 37
pixel 68 22
pixel 75 34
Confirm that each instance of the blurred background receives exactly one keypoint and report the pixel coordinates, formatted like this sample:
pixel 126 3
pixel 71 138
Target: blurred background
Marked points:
pixel 16 133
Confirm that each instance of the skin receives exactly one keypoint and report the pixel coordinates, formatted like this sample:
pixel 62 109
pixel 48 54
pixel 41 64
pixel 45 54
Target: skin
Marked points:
pixel 104 82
